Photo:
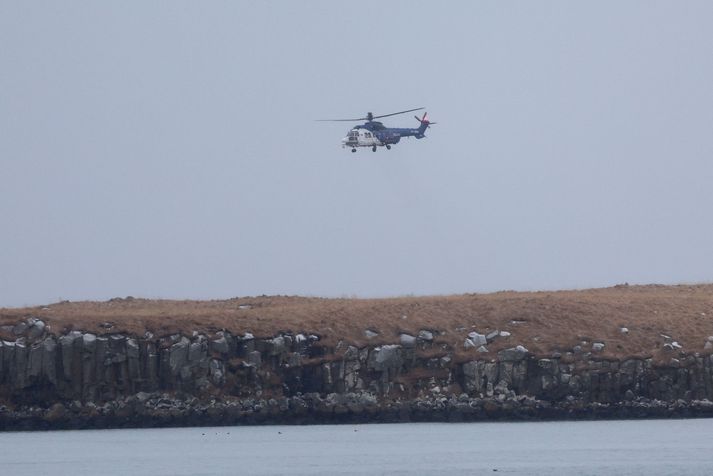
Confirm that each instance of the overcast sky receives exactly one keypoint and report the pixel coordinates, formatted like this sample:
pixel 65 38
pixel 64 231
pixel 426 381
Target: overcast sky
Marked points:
pixel 169 149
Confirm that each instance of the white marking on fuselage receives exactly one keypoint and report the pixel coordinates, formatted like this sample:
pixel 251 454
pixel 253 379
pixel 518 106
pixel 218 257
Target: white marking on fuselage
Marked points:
pixel 361 138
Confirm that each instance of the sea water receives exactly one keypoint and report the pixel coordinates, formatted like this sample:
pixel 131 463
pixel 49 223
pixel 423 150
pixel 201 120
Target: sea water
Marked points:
pixel 642 447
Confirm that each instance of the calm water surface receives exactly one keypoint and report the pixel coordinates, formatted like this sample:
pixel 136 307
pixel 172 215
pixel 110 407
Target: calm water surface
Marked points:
pixel 648 447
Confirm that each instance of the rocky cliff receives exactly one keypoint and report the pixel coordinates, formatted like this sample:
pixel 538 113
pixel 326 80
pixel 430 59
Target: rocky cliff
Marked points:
pixel 81 379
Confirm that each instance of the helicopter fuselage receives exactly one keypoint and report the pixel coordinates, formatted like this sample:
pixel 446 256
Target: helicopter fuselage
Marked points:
pixel 374 134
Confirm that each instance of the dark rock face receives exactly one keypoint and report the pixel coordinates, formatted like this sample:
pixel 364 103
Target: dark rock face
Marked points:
pixel 82 380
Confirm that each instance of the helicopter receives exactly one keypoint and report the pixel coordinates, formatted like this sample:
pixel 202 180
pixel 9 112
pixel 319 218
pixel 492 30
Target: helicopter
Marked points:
pixel 374 134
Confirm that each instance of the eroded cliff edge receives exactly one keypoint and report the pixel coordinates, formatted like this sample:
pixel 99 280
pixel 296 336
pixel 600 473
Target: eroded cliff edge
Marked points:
pixel 490 361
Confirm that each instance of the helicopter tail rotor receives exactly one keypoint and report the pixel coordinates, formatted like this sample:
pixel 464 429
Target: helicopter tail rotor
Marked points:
pixel 425 124
pixel 424 120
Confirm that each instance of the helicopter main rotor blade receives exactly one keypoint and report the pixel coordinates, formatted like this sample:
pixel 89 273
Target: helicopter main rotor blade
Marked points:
pixel 369 116
pixel 401 112
pixel 342 120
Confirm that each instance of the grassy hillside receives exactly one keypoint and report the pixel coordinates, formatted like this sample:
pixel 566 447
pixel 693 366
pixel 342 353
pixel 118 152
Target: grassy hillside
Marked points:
pixel 544 322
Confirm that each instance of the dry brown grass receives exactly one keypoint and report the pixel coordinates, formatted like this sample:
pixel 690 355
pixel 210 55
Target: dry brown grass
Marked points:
pixel 549 321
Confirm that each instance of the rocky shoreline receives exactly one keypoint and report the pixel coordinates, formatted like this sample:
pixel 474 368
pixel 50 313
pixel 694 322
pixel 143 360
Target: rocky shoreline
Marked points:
pixel 164 410
pixel 89 380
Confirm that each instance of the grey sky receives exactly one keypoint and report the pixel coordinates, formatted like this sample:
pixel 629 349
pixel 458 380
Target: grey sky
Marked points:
pixel 168 149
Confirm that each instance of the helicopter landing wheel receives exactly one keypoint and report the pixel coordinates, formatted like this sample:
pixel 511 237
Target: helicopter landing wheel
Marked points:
pixel 373 149
pixel 388 147
pixel 353 150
